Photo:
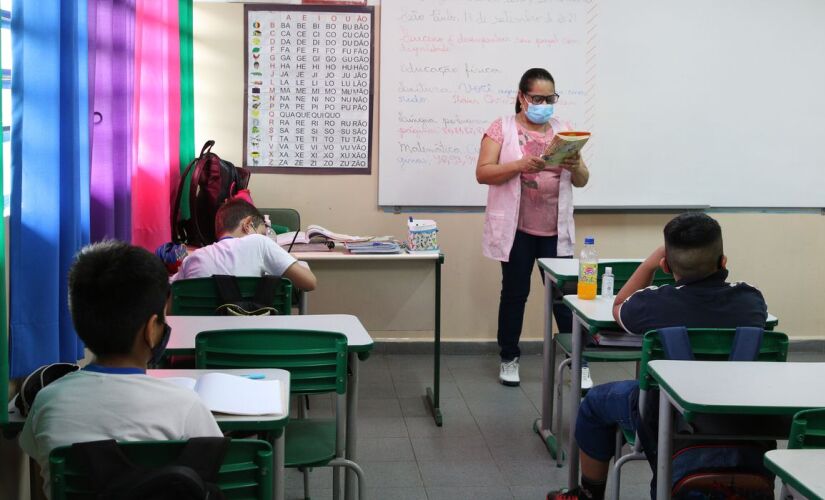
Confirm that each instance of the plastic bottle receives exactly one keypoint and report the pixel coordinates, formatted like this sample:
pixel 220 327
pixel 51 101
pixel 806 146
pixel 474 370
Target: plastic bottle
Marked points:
pixel 588 270
pixel 607 283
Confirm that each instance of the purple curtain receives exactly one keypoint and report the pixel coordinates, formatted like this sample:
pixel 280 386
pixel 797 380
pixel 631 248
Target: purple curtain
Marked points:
pixel 111 96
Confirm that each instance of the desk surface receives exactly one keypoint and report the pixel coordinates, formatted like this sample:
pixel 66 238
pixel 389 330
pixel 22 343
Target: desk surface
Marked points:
pixel 186 328
pixel 568 269
pixel 341 254
pixel 599 311
pixel 764 388
pixel 801 469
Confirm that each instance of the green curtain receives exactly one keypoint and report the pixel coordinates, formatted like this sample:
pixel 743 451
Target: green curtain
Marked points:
pixel 187 98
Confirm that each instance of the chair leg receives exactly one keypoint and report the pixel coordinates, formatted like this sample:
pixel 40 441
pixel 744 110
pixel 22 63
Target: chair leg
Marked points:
pixel 615 473
pixel 305 472
pixel 558 408
pixel 359 473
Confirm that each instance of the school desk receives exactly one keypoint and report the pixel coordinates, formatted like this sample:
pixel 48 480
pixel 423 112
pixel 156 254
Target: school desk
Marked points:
pixel 271 423
pixel 342 258
pixel 560 273
pixel 800 470
pixel 733 388
pixel 359 345
pixel 590 316
pixel 274 423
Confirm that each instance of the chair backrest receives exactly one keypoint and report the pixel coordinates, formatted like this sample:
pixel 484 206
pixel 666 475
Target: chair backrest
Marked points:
pixel 622 272
pixel 199 296
pixel 316 360
pixel 246 471
pixel 284 217
pixel 808 429
pixel 709 344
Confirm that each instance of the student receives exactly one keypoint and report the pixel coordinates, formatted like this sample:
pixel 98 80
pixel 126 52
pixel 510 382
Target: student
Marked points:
pixel 117 296
pixel 700 298
pixel 243 249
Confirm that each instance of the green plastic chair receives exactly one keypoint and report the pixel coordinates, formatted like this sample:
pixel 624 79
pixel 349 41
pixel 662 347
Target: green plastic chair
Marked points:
pixel 199 296
pixel 283 220
pixel 808 430
pixel 246 472
pixel 708 344
pixel 317 364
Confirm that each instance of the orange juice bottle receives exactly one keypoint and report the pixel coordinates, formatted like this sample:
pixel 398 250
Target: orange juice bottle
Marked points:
pixel 588 270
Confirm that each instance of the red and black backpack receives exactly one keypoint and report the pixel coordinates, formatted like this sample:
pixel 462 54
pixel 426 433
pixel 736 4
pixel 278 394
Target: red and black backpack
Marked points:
pixel 213 182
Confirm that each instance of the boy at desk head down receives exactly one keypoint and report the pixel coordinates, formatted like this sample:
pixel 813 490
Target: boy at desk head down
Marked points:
pixel 117 298
pixel 243 249
pixel 700 298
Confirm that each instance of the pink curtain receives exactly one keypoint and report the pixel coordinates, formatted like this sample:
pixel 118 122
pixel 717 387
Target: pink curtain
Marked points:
pixel 155 171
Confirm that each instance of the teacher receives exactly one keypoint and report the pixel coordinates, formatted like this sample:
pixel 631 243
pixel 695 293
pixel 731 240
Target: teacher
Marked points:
pixel 529 208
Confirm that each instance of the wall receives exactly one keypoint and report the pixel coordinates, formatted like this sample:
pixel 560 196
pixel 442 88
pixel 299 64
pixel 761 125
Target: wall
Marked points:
pixel 398 304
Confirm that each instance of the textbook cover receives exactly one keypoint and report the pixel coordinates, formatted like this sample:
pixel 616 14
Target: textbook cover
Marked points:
pixel 564 144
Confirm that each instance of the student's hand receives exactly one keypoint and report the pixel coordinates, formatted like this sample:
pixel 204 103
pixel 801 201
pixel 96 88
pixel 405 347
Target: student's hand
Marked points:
pixel 654 259
pixel 571 162
pixel 529 164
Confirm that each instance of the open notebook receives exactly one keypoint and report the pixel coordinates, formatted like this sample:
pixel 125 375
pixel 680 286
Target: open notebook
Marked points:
pixel 223 393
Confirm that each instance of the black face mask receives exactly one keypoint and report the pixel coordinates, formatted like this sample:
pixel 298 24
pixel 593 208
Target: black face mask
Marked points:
pixel 160 347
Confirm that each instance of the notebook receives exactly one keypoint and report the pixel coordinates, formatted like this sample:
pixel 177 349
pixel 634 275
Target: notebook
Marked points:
pixel 234 395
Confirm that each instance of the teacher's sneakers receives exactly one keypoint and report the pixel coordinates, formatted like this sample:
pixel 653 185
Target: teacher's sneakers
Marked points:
pixel 508 375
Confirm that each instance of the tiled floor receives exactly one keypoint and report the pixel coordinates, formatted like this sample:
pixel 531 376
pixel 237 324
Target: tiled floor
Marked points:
pixel 486 449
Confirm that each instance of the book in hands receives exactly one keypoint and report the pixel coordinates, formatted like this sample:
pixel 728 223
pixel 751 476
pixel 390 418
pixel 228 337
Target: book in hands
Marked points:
pixel 234 395
pixel 563 145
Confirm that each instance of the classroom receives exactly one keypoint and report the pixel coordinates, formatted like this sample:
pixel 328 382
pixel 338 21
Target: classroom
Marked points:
pixel 696 108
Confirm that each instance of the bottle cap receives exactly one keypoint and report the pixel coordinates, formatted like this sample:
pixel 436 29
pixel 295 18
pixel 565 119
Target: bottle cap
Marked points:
pixel 608 270
pixel 589 240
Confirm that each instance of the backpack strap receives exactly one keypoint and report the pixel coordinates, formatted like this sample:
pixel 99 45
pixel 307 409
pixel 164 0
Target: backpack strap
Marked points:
pixel 676 343
pixel 265 291
pixel 228 290
pixel 746 343
pixel 204 455
pixel 177 233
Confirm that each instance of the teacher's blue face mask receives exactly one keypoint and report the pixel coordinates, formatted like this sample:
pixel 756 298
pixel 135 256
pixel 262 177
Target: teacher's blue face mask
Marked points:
pixel 539 113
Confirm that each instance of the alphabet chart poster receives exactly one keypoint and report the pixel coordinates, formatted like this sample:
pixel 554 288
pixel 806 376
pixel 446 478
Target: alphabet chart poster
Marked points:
pixel 309 88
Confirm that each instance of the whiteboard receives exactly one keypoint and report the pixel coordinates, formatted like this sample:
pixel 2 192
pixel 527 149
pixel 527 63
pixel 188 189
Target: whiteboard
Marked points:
pixel 701 103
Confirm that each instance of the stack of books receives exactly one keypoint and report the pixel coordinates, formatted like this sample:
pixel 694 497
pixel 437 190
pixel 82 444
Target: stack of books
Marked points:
pixel 617 339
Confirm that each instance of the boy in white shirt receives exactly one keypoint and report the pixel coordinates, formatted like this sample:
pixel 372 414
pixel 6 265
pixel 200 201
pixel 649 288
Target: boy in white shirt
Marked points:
pixel 243 249
pixel 117 297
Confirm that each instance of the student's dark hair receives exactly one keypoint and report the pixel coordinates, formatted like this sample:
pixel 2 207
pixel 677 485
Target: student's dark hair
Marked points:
pixel 114 288
pixel 527 79
pixel 693 244
pixel 231 213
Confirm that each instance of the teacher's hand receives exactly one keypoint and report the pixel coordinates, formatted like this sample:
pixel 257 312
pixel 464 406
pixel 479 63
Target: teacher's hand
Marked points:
pixel 571 162
pixel 530 164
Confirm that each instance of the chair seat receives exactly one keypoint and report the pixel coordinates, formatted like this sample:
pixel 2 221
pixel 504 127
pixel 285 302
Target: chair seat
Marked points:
pixel 309 442
pixel 599 354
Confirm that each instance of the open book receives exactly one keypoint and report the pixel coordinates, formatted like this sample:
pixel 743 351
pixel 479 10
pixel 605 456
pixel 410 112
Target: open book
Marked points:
pixel 564 144
pixel 224 393
pixel 314 234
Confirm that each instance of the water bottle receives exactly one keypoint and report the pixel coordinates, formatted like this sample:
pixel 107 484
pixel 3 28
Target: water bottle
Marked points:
pixel 588 270
pixel 607 283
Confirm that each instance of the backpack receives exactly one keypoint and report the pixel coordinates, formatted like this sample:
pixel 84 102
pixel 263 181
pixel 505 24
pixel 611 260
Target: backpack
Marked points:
pixel 233 303
pixel 710 470
pixel 37 380
pixel 213 182
pixel 192 476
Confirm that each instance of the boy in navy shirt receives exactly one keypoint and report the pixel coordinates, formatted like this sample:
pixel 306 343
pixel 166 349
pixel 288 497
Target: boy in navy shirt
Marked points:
pixel 700 298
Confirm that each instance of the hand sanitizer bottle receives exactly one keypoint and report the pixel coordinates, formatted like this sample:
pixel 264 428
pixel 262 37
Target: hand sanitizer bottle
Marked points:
pixel 607 283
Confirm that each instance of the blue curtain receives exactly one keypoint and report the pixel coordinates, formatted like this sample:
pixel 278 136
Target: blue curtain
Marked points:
pixel 49 219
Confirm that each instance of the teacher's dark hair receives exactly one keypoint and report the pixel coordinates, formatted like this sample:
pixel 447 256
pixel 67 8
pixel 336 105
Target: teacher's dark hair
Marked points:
pixel 527 79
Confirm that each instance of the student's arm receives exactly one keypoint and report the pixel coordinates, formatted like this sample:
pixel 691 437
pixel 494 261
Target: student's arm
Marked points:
pixel 301 276
pixel 641 278
pixel 490 171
